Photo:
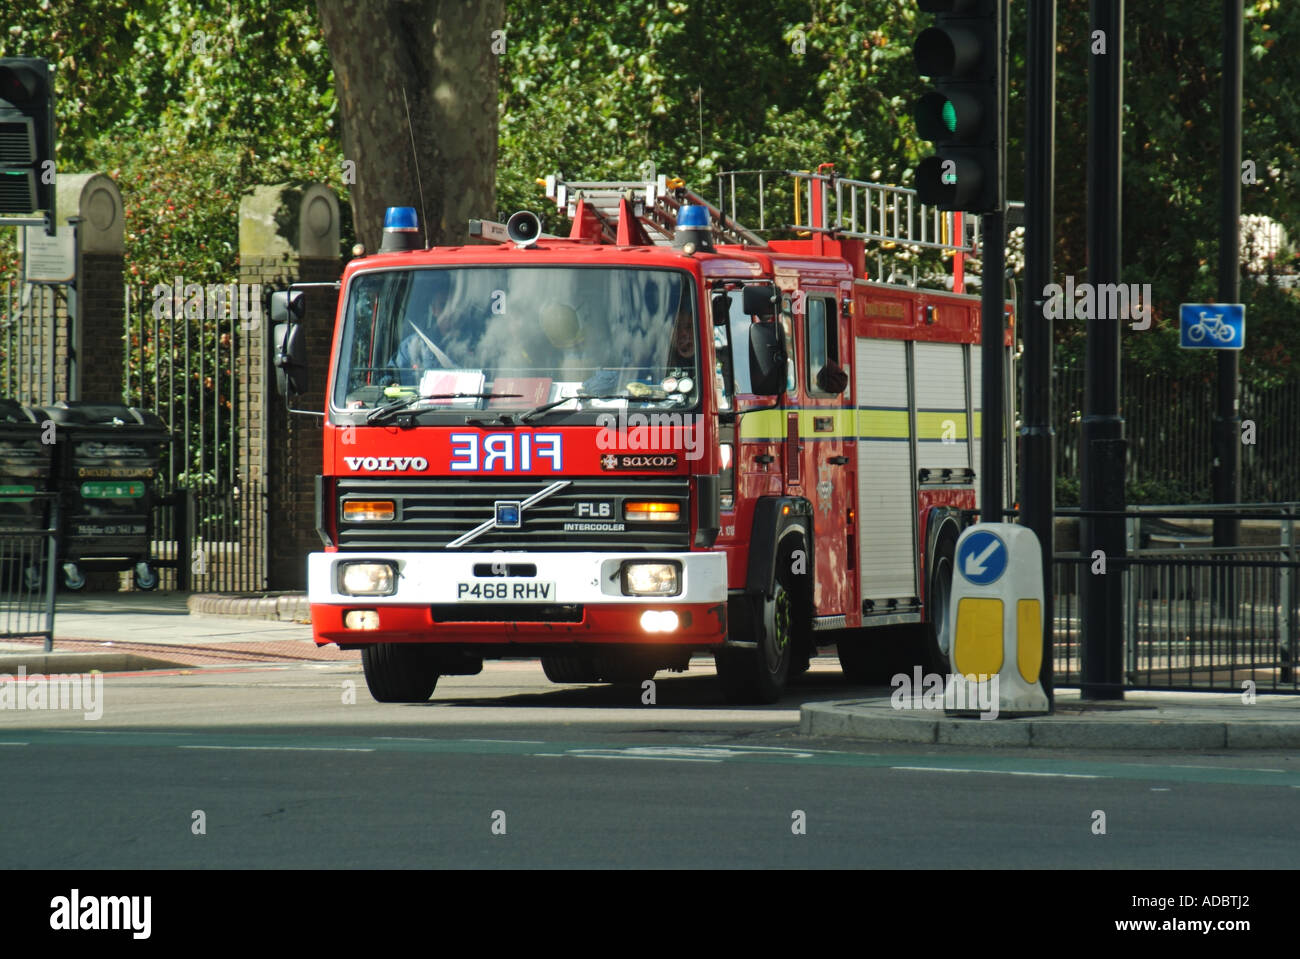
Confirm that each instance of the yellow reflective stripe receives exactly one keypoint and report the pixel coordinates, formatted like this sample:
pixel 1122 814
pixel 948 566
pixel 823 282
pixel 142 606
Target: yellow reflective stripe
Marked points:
pixel 941 424
pixel 763 425
pixel 867 424
pixel 883 425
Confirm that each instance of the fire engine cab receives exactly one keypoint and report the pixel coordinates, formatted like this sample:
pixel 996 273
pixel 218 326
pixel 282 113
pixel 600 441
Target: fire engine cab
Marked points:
pixel 658 436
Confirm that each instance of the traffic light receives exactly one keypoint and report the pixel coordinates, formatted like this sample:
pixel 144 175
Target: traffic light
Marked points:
pixel 963 114
pixel 26 135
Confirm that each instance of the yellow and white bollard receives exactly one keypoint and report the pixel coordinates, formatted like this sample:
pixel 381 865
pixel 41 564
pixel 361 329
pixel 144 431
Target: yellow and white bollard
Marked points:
pixel 997 623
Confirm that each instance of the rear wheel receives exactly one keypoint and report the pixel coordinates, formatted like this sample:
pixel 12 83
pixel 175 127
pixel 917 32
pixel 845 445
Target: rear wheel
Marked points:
pixel 935 636
pixel 759 675
pixel 399 672
pixel 570 669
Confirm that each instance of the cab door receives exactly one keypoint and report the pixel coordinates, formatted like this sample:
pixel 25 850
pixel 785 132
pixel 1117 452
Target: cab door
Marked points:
pixel 828 452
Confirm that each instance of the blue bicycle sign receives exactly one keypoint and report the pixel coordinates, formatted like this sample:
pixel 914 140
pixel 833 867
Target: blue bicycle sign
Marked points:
pixel 1212 326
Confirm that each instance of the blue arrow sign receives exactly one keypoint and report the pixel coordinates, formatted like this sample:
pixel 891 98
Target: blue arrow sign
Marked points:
pixel 982 557
pixel 1212 326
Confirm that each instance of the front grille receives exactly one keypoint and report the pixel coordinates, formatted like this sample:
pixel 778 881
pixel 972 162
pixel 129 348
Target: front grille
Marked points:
pixel 507 613
pixel 431 512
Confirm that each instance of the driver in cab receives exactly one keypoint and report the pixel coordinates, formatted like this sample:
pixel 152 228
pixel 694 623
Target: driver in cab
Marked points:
pixel 420 349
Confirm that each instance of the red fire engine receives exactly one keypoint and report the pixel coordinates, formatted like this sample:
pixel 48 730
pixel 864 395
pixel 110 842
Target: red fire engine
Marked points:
pixel 659 436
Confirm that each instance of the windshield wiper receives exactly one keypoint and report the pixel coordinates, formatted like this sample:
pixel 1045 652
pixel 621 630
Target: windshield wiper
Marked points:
pixel 386 412
pixel 652 394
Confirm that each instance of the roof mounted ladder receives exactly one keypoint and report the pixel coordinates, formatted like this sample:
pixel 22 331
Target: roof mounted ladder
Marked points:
pixel 651 204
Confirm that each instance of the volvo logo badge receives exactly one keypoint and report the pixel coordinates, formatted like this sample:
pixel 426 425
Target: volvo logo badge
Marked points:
pixel 508 514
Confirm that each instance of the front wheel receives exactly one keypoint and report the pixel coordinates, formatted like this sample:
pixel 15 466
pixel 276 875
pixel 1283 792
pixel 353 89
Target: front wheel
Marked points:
pixel 399 672
pixel 759 675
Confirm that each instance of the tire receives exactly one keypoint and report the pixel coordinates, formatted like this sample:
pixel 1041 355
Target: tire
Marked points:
pixel 399 672
pixel 935 640
pixel 570 669
pixel 759 675
pixel 145 577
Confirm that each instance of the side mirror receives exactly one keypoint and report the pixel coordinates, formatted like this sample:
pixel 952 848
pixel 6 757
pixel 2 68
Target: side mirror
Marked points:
pixel 767 360
pixel 831 378
pixel 290 356
pixel 721 306
pixel 760 301
pixel 287 306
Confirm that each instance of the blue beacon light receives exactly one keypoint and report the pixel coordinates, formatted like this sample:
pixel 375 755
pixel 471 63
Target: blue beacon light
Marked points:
pixel 401 230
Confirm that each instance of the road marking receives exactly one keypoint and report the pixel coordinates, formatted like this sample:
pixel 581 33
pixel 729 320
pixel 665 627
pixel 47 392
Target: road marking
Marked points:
pixel 669 759
pixel 1249 769
pixel 801 753
pixel 15 744
pixel 522 742
pixel 291 749
pixel 999 772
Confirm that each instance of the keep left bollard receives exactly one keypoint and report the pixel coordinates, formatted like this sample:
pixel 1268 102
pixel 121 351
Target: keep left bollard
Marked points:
pixel 997 625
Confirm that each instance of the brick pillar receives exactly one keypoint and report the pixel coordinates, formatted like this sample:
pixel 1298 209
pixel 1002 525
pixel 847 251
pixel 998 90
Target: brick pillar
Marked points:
pixel 286 233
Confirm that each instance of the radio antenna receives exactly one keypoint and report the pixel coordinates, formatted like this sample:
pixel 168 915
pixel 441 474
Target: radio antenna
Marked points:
pixel 415 158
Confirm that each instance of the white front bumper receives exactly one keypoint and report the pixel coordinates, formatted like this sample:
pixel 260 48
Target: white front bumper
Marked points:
pixel 426 578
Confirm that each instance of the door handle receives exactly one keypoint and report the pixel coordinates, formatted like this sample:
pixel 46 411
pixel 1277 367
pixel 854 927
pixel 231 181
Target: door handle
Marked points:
pixel 838 460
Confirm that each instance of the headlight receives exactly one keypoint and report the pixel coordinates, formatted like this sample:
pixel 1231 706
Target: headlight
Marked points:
pixel 651 579
pixel 367 579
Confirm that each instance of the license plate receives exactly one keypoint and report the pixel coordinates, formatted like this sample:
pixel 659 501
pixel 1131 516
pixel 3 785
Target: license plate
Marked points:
pixel 505 591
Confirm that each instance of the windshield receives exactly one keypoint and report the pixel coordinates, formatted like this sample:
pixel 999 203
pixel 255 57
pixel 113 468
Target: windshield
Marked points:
pixel 521 336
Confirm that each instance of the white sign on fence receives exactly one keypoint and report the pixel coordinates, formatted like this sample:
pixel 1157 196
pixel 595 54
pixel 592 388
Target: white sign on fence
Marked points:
pixel 48 259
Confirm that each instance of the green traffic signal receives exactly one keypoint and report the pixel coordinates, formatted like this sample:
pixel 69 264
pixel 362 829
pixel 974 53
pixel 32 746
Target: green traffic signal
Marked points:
pixel 962 113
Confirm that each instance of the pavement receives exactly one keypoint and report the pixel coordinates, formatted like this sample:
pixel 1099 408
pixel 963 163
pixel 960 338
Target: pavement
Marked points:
pixel 120 632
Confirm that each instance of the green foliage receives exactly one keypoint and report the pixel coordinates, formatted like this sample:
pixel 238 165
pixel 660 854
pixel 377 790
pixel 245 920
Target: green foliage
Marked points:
pixel 1171 170
pixel 186 104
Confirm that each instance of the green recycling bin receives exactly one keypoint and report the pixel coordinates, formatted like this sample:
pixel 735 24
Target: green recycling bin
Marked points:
pixel 106 463
pixel 25 463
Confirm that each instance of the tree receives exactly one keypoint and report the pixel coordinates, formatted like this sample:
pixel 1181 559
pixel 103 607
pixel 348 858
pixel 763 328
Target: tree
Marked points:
pixel 441 59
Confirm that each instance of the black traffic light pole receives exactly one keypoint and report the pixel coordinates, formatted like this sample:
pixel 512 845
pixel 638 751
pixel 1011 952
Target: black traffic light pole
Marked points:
pixel 1227 416
pixel 1038 452
pixel 993 300
pixel 1103 451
